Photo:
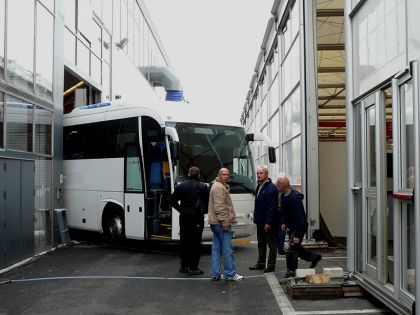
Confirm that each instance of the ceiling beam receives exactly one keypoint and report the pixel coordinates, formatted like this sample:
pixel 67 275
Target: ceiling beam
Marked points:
pixel 331 46
pixel 331 86
pixel 329 12
pixel 332 107
pixel 326 98
pixel 331 69
pixel 332 123
pixel 331 114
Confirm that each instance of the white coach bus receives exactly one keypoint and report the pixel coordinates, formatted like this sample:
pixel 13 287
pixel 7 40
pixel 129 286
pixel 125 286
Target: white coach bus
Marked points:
pixel 121 163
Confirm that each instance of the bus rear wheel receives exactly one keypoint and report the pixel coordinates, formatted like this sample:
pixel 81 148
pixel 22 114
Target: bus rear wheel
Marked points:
pixel 115 227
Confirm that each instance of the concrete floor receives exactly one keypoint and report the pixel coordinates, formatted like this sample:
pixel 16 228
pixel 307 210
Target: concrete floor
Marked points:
pixel 143 278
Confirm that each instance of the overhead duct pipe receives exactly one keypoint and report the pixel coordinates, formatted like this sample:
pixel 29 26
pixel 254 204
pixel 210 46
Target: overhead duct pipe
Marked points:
pixel 163 76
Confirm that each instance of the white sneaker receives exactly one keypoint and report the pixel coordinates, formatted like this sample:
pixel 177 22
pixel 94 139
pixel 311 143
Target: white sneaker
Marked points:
pixel 236 277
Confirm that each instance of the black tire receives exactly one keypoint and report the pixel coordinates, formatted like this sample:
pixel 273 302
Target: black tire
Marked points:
pixel 114 228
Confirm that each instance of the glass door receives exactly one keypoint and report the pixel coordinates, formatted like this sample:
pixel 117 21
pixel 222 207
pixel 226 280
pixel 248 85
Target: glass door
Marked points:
pixel 405 169
pixel 373 181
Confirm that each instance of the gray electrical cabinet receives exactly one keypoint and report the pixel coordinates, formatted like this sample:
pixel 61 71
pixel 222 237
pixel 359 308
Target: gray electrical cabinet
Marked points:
pixel 17 178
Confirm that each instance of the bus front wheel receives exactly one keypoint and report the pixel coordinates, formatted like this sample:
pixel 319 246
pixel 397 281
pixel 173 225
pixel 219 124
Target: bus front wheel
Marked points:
pixel 115 227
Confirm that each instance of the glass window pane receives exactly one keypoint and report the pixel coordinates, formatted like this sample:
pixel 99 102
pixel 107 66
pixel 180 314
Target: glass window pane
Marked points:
pixel 410 283
pixel 69 46
pixel 292 161
pixel 43 131
pixel 371 144
pixel 20 43
pixel 97 7
pixel 296 112
pixel 124 22
pixel 287 37
pixel 287 119
pixel 1 120
pixel 130 35
pixel 106 82
pixel 275 132
pixel 379 38
pixel 44 53
pixel 70 14
pixel 106 50
pixel 372 231
pixel 43 204
pixel 2 36
pixel 274 95
pixel 357 123
pixel 96 69
pixel 107 14
pixel 83 57
pixel 19 126
pixel 264 112
pixel 96 39
pixel 295 19
pixel 49 4
pixel 407 128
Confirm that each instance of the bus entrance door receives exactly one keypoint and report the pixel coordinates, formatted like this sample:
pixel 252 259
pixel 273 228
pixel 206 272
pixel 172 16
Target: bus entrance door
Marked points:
pixel 134 216
pixel 134 197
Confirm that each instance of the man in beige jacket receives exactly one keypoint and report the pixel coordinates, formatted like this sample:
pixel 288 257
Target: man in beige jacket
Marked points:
pixel 221 217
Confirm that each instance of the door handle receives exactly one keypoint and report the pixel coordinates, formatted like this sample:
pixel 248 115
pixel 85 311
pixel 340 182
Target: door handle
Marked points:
pixel 128 208
pixel 402 196
pixel 140 209
pixel 356 188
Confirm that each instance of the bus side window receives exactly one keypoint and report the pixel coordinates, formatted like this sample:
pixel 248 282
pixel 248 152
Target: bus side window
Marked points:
pixel 74 143
pixel 127 134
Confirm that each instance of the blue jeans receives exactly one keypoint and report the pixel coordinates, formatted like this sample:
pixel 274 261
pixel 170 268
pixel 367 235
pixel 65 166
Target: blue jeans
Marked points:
pixel 222 245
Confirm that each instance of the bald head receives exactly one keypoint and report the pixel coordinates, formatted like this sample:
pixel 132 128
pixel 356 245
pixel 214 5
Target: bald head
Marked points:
pixel 283 184
pixel 223 175
pixel 262 174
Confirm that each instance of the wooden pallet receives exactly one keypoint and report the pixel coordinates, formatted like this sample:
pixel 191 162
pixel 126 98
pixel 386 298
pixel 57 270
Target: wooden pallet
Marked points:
pixel 300 289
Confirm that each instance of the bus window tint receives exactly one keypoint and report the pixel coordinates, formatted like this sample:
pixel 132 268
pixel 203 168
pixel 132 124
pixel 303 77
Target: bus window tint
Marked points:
pixel 211 147
pixel 100 140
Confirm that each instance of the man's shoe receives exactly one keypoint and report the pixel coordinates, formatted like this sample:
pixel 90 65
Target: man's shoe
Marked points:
pixel 315 261
pixel 269 269
pixel 216 278
pixel 184 270
pixel 257 267
pixel 196 272
pixel 289 274
pixel 236 277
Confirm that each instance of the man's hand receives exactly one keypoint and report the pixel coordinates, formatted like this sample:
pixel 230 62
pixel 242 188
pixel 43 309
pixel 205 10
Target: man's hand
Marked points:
pixel 266 227
pixel 226 228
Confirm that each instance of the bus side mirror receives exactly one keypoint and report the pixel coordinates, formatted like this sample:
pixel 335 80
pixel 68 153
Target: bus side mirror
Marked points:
pixel 271 154
pixel 174 149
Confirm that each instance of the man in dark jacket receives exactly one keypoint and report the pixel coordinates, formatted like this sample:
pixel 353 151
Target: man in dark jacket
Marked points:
pixel 266 221
pixel 293 220
pixel 194 198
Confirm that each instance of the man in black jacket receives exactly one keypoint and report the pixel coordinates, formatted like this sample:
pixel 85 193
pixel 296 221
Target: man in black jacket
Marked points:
pixel 266 220
pixel 194 198
pixel 293 220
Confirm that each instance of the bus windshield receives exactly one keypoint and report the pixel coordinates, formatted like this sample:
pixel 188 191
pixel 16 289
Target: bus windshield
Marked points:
pixel 211 147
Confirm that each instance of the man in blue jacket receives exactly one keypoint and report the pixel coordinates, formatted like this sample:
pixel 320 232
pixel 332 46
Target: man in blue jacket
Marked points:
pixel 266 220
pixel 293 220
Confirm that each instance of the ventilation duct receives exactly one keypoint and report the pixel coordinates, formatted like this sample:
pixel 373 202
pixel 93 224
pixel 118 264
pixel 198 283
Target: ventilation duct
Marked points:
pixel 162 76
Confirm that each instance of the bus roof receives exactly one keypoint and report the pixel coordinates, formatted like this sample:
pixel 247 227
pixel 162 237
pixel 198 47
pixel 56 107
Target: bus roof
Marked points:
pixel 163 112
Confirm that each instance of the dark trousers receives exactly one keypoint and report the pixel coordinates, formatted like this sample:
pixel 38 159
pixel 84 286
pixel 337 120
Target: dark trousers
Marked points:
pixel 281 237
pixel 267 238
pixel 191 231
pixel 297 250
